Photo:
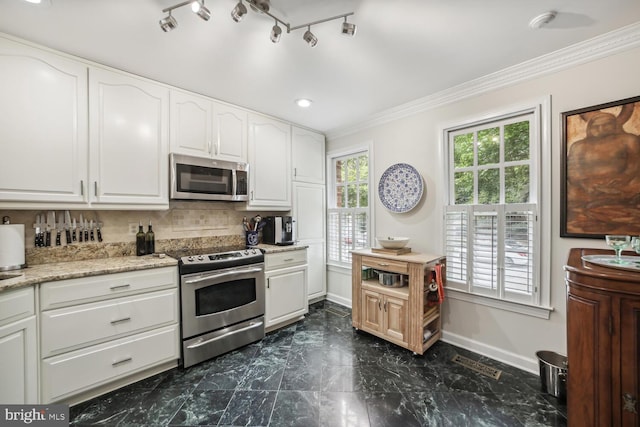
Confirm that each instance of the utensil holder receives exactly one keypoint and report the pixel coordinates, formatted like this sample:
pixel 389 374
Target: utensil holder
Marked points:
pixel 252 238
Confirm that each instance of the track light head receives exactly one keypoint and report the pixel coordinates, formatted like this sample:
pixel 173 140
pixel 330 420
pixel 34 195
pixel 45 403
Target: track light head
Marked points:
pixel 310 38
pixel 276 33
pixel 348 28
pixel 168 23
pixel 200 9
pixel 238 12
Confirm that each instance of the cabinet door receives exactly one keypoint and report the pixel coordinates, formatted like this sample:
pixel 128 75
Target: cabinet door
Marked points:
pixel 309 211
pixel 128 139
pixel 43 126
pixel 191 117
pixel 230 129
pixel 286 296
pixel 395 319
pixel 630 362
pixel 19 362
pixel 308 156
pixel 316 253
pixel 589 353
pixel 371 311
pixel 270 162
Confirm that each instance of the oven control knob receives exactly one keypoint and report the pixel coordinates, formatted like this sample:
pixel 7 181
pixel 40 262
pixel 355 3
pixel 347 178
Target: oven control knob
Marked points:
pixel 190 259
pixel 246 252
pixel 200 258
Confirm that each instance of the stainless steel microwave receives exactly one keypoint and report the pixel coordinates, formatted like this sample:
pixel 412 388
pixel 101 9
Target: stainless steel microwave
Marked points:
pixel 201 178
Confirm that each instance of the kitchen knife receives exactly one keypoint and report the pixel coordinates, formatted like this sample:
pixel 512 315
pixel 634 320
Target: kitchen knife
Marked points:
pixel 98 226
pixel 58 229
pixel 91 231
pixel 36 240
pixel 80 225
pixel 67 224
pixel 85 228
pixel 47 233
pixel 73 230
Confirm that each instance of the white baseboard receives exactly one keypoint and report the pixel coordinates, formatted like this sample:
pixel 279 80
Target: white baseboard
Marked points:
pixel 526 364
pixel 338 300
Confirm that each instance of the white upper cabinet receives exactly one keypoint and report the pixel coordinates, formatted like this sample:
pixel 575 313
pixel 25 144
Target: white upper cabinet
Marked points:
pixel 191 119
pixel 308 154
pixel 43 126
pixel 269 163
pixel 205 128
pixel 129 124
pixel 230 131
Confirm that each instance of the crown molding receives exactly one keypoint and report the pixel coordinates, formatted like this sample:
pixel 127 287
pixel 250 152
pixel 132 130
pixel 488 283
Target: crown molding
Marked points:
pixel 589 50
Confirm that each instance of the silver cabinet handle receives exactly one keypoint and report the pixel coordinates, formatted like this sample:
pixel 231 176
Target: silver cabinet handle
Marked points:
pixel 116 287
pixel 124 319
pixel 81 187
pixel 95 188
pixel 120 362
pixel 288 259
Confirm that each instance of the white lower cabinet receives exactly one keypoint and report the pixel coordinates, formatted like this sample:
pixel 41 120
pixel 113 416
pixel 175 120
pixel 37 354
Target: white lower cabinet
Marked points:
pixel 120 325
pixel 18 347
pixel 286 277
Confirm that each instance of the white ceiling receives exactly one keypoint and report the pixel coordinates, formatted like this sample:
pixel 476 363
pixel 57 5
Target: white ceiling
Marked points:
pixel 403 50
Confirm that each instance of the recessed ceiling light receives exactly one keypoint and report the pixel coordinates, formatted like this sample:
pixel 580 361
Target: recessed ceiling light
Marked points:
pixel 34 1
pixel 303 103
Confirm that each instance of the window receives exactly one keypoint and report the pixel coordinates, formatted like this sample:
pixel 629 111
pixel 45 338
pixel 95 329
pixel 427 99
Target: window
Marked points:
pixel 491 219
pixel 348 213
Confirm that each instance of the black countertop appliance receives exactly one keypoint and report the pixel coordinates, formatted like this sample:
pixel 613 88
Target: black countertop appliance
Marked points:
pixel 278 230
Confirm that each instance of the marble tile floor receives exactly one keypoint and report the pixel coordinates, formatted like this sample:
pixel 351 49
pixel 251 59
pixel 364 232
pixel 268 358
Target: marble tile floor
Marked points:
pixel 321 372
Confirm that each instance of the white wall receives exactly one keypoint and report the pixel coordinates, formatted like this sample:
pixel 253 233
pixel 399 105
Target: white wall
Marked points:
pixel 507 336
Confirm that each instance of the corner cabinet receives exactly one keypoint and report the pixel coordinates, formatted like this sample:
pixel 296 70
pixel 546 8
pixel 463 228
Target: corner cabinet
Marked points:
pixel 603 342
pixel 286 278
pixel 269 149
pixel 398 315
pixel 129 140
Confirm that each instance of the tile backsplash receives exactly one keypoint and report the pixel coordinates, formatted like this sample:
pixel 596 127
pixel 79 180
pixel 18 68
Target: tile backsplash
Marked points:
pixel 182 220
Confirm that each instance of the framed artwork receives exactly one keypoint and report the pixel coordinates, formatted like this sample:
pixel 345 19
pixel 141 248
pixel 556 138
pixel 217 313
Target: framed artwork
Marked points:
pixel 600 180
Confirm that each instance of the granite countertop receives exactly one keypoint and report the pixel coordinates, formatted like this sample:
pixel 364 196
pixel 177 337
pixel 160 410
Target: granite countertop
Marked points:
pixel 272 249
pixel 74 269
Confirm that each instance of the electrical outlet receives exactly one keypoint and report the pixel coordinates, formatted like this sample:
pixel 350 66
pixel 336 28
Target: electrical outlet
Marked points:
pixel 133 227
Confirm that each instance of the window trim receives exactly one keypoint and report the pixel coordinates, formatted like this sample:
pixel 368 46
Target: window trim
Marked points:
pixel 541 107
pixel 331 155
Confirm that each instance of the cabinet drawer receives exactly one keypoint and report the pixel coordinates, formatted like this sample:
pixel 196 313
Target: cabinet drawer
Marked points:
pixel 77 371
pixel 76 291
pixel 285 259
pixel 16 305
pixel 86 324
pixel 385 264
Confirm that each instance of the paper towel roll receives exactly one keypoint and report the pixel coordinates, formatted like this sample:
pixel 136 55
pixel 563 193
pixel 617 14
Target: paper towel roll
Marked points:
pixel 11 246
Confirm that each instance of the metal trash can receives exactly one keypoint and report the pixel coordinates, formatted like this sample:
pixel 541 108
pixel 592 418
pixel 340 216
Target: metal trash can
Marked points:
pixel 553 374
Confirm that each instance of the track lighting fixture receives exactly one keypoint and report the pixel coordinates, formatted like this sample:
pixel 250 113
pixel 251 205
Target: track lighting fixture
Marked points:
pixel 276 32
pixel 168 23
pixel 200 9
pixel 348 28
pixel 238 12
pixel 309 37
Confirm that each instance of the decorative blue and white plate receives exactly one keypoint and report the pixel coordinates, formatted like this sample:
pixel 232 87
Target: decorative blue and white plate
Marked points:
pixel 400 188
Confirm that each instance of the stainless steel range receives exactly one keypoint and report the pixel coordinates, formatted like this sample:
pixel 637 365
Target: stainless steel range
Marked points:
pixel 222 301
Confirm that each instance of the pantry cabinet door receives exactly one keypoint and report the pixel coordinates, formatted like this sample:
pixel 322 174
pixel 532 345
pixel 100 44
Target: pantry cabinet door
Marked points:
pixel 43 126
pixel 128 140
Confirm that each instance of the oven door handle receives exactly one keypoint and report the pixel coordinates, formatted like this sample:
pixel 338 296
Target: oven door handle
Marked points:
pixel 209 341
pixel 225 274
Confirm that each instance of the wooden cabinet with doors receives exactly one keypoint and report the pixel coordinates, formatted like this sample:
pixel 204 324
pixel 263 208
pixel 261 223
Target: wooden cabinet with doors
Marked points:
pixel 603 342
pixel 398 315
